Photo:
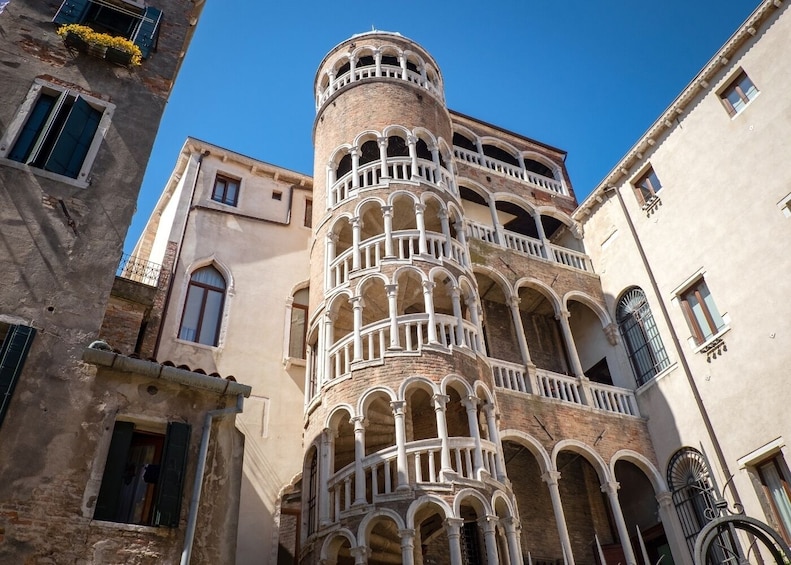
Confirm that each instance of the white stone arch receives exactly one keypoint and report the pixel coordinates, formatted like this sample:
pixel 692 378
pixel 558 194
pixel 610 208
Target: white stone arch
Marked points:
pixel 397 130
pixel 454 212
pixel 230 292
pixel 479 387
pixel 500 144
pixel 358 209
pixel 586 451
pixel 366 135
pixel 470 284
pixel 510 507
pixel 333 542
pixel 364 50
pixel 339 219
pixel 428 196
pixel 336 410
pixel 426 135
pixel 468 494
pixel 225 271
pixel 401 192
pixel 498 277
pixel 391 50
pixel 425 500
pixel 417 382
pixel 299 286
pixel 366 398
pixel 445 150
pixel 367 523
pixel 439 269
pixel 342 59
pixel 556 169
pixel 546 290
pixel 455 381
pixel 466 132
pixel 559 215
pixel 337 154
pixel 532 445
pixel 514 199
pixel 338 299
pixel 642 463
pixel 601 313
pixel 415 58
pixel 366 280
pixel 404 268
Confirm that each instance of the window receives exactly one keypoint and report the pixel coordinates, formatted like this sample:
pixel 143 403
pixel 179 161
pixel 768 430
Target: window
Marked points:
pixel 299 325
pixel 774 479
pixel 57 130
pixel 144 476
pixel 313 489
pixel 226 190
pixel 738 93
pixel 308 221
pixel 700 311
pixel 202 315
pixel 647 186
pixel 694 496
pixel 277 195
pixel 641 336
pixel 15 342
pixel 126 18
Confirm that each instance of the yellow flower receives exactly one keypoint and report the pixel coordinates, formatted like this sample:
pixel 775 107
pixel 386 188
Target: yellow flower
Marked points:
pixel 104 40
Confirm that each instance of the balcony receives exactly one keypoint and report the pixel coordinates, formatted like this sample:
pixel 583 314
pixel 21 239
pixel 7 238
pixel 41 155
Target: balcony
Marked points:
pixel 423 469
pixel 377 341
pixel 137 270
pixel 563 388
pixel 372 175
pixel 518 173
pixel 531 246
pixel 406 245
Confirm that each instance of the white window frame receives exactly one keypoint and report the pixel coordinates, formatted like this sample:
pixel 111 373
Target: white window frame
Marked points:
pixel 17 124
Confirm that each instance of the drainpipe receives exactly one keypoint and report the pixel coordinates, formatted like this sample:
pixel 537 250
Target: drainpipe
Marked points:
pixel 178 255
pixel 679 349
pixel 192 518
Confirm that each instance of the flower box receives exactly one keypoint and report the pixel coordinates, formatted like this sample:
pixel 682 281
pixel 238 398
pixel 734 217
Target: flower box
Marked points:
pixel 117 50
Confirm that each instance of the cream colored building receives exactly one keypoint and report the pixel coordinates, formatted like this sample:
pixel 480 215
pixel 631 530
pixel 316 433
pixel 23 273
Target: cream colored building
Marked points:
pixel 453 362
pixel 699 208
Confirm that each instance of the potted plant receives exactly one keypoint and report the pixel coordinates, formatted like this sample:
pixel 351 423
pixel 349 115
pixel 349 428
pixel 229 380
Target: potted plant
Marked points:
pixel 117 50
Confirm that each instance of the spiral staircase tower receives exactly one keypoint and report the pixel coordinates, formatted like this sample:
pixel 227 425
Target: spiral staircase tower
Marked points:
pixel 402 459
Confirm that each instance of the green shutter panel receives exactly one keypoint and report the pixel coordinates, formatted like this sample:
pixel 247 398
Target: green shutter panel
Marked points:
pixel 112 479
pixel 34 125
pixel 171 475
pixel 12 357
pixel 146 35
pixel 71 12
pixel 74 140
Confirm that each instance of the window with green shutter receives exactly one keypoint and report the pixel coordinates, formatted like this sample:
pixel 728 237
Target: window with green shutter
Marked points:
pixel 58 130
pixel 15 346
pixel 125 18
pixel 143 478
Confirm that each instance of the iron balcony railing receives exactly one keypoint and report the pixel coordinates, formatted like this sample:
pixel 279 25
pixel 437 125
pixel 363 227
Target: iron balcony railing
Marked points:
pixel 135 269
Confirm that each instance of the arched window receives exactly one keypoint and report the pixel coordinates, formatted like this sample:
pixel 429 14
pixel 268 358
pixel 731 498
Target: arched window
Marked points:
pixel 643 342
pixel 695 499
pixel 312 488
pixel 200 321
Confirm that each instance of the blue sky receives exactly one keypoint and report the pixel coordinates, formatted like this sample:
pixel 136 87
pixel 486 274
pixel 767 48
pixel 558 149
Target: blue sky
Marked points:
pixel 588 77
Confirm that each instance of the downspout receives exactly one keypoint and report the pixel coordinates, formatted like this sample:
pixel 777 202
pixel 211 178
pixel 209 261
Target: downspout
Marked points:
pixel 192 517
pixel 679 350
pixel 178 255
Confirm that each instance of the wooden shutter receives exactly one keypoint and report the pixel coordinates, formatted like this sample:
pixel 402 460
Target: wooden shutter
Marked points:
pixel 74 139
pixel 112 479
pixel 34 125
pixel 146 35
pixel 171 475
pixel 12 357
pixel 71 12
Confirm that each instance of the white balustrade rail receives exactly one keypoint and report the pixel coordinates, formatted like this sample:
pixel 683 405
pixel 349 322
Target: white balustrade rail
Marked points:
pixel 406 245
pixel 538 181
pixel 424 459
pixel 512 376
pixel 613 399
pixel 447 333
pixel 571 258
pixel 509 375
pixel 482 232
pixel 368 72
pixel 369 175
pixel 559 387
pixel 524 244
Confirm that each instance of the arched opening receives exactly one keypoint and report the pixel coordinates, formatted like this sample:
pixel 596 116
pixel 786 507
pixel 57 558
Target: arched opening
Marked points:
pixel 376 313
pixel 369 153
pixel 542 331
pixel 499 332
pixel 500 154
pixel 539 168
pixel 379 435
pixel 585 506
pixel 422 418
pixel 203 307
pixel 460 140
pixel 371 225
pixel 384 542
pixel 641 510
pixel 431 539
pixel 593 349
pixel 534 503
pixel 472 541
pixel 517 220
pixel 340 552
pixel 456 415
pixel 410 303
pixel 310 472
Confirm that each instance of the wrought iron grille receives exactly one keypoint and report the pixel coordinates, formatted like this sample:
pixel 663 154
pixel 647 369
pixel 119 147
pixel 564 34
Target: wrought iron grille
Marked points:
pixel 137 270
